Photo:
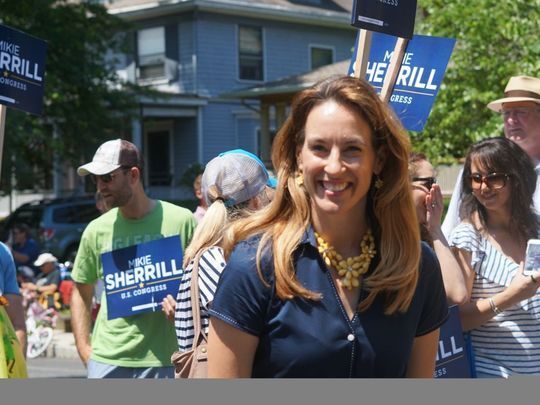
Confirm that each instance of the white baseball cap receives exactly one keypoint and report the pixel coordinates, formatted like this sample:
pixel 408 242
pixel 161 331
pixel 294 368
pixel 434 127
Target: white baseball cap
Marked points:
pixel 272 181
pixel 110 156
pixel 45 258
pixel 234 178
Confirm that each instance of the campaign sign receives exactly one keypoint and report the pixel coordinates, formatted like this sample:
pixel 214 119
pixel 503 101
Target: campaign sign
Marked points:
pixel 419 78
pixel 392 17
pixel 452 359
pixel 22 68
pixel 138 277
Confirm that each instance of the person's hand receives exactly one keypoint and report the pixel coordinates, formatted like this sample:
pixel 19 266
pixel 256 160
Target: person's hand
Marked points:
pixel 523 287
pixel 434 208
pixel 29 286
pixel 169 306
pixel 84 354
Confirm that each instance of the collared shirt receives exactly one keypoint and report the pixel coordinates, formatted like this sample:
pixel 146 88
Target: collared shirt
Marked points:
pixel 311 339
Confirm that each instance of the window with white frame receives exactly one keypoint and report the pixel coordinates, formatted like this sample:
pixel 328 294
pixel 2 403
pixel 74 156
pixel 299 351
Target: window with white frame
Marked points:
pixel 321 56
pixel 151 53
pixel 250 53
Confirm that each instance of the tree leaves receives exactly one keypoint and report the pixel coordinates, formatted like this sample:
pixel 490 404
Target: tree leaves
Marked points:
pixel 496 39
pixel 83 96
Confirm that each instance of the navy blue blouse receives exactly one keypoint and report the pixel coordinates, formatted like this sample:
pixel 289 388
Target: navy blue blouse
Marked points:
pixel 310 339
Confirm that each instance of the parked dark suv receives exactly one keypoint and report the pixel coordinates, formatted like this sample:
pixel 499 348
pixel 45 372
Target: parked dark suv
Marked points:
pixel 56 224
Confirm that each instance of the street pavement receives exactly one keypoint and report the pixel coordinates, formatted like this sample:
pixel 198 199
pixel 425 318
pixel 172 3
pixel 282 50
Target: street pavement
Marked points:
pixel 60 360
pixel 62 345
pixel 55 367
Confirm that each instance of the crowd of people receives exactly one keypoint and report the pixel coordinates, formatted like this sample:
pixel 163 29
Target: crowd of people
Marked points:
pixel 24 280
pixel 492 214
pixel 339 266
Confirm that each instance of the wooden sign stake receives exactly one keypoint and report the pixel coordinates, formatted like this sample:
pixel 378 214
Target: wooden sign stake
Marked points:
pixel 393 70
pixel 363 46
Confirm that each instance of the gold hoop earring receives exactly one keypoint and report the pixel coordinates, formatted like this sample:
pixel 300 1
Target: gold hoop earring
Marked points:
pixel 299 179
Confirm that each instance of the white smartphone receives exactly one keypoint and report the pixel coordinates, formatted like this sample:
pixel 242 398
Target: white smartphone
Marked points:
pixel 532 257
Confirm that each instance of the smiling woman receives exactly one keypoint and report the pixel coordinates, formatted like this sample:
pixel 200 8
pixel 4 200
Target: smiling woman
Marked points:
pixel 337 160
pixel 338 246
pixel 502 313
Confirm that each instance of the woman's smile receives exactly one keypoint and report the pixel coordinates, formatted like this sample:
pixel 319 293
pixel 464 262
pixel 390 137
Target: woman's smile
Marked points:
pixel 337 160
pixel 334 187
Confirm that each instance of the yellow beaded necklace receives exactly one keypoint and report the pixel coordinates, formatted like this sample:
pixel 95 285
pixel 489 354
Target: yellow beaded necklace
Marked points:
pixel 351 269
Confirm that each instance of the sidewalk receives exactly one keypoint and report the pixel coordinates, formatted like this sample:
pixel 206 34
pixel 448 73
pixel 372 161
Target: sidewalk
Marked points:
pixel 62 345
pixel 63 342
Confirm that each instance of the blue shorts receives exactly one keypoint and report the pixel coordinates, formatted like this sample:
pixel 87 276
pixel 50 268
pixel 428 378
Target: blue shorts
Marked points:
pixel 97 369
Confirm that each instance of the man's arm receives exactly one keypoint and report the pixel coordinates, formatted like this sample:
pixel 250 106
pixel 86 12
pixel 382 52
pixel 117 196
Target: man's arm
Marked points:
pixel 81 320
pixel 20 257
pixel 40 289
pixel 47 289
pixel 15 312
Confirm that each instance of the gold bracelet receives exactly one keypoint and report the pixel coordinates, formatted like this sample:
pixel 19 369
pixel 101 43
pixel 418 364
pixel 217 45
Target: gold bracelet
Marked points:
pixel 494 308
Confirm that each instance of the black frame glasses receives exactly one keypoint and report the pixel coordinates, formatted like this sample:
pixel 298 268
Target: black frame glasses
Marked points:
pixel 493 181
pixel 108 177
pixel 427 182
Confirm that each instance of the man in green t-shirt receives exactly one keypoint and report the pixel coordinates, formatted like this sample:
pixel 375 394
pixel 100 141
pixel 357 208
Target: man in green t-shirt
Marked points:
pixel 138 346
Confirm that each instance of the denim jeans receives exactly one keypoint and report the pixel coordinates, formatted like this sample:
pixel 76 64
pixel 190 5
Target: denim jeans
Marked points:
pixel 97 369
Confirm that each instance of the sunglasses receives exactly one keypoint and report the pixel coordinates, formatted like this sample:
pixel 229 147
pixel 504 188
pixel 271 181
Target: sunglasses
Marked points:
pixel 427 182
pixel 107 178
pixel 519 113
pixel 493 181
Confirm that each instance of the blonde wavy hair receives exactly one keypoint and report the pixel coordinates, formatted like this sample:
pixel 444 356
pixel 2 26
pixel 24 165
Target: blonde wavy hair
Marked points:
pixel 390 209
pixel 209 231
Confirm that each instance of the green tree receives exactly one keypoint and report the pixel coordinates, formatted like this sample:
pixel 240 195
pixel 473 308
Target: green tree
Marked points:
pixel 83 94
pixel 496 39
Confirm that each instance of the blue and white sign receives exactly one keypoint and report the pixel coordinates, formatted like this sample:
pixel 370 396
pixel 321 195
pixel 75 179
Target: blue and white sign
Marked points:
pixel 22 70
pixel 419 78
pixel 452 358
pixel 392 17
pixel 138 277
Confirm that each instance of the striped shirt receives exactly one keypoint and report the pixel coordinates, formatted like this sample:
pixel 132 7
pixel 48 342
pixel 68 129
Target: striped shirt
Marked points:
pixel 211 265
pixel 509 343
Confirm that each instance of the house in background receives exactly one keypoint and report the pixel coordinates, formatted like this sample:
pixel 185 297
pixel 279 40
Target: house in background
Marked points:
pixel 199 53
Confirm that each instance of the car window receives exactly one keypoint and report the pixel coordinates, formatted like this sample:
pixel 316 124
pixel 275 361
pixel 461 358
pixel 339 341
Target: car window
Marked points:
pixel 75 214
pixel 32 216
pixel 29 215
